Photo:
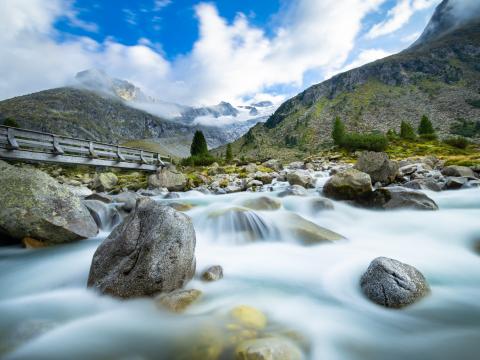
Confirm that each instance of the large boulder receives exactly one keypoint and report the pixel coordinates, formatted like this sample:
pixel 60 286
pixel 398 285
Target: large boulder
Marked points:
pixel 168 177
pixel 458 171
pixel 151 251
pixel 393 284
pixel 378 166
pixel 302 178
pixel 397 197
pixel 35 205
pixel 349 184
pixel 105 181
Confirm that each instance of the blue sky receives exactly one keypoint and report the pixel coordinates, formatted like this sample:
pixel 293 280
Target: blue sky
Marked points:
pixel 201 52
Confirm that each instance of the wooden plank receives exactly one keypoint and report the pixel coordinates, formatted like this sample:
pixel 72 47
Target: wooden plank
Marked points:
pixel 66 159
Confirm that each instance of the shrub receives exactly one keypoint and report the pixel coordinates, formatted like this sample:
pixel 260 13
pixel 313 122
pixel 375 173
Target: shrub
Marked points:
pixel 457 141
pixel 290 141
pixel 199 145
pixel 406 131
pixel 338 132
pixel 10 122
pixel 198 160
pixel 392 134
pixel 372 142
pixel 466 128
pixel 473 102
pixel 425 129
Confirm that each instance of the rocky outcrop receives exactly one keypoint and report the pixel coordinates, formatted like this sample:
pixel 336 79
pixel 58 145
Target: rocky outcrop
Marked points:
pixel 378 166
pixel 151 251
pixel 168 177
pixel 35 205
pixel 349 184
pixel 393 284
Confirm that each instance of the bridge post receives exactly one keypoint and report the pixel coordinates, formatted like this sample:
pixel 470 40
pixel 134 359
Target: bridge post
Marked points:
pixel 12 143
pixel 57 149
pixel 119 154
pixel 142 158
pixel 91 150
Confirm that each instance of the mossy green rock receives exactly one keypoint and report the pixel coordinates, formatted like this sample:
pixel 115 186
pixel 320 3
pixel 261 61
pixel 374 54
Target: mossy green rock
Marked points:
pixel 37 206
pixel 349 184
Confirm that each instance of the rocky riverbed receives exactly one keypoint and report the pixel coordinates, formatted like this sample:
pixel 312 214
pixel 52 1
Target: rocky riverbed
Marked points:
pixel 308 260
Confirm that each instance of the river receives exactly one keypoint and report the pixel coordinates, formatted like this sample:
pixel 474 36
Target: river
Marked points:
pixel 46 311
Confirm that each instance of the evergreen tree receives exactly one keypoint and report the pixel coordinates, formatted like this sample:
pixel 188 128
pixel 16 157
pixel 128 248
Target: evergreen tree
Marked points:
pixel 199 145
pixel 229 154
pixel 406 131
pixel 426 127
pixel 338 132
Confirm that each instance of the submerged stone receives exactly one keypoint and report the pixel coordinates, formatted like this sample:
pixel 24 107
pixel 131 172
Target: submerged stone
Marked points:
pixel 213 273
pixel 268 349
pixel 178 300
pixel 249 317
pixel 262 203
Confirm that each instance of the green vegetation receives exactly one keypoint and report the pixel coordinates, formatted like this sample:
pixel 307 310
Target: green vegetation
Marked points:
pixel 199 152
pixel 11 122
pixel 229 154
pixel 407 132
pixel 457 141
pixel 291 141
pixel 473 102
pixel 466 128
pixel 426 130
pixel 199 145
pixel 338 132
pixel 371 142
pixel 352 141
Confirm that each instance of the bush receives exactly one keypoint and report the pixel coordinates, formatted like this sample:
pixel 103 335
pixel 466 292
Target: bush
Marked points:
pixel 10 122
pixel 473 102
pixel 338 132
pixel 371 142
pixel 199 160
pixel 466 128
pixel 406 131
pixel 426 127
pixel 457 141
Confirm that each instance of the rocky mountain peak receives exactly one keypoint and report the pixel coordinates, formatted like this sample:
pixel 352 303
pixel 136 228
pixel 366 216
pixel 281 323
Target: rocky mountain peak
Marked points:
pixel 449 16
pixel 97 80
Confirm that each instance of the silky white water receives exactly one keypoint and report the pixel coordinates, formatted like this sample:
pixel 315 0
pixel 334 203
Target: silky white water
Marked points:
pixel 46 311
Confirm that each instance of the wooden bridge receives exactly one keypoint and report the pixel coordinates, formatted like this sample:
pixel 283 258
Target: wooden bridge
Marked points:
pixel 29 145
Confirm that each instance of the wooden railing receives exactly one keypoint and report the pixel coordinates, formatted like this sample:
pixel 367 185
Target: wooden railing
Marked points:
pixel 29 145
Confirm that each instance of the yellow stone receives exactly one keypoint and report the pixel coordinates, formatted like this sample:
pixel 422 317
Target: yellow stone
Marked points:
pixel 249 317
pixel 31 243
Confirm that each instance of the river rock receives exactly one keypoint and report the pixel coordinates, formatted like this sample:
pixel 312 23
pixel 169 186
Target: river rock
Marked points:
pixel 37 206
pixel 168 177
pixel 178 300
pixel 454 182
pixel 105 198
pixel 105 216
pixel 458 171
pixel 397 197
pixel 273 164
pixel 250 168
pixel 254 184
pixel 378 166
pixel 105 181
pixel 293 190
pixel 321 204
pixel 151 251
pixel 262 203
pixel 249 317
pixel 264 177
pixel 296 165
pixel 349 184
pixel 305 231
pixel 424 184
pixel 393 284
pixel 302 178
pixel 127 200
pixel 269 348
pixel 213 273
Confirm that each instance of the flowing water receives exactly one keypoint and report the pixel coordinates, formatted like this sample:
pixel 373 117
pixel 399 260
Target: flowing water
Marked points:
pixel 46 311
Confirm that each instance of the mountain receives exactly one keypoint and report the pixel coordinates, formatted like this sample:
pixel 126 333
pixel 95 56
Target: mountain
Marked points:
pixel 439 75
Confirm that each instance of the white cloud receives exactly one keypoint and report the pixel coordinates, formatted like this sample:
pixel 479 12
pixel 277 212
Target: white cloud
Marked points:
pixel 160 4
pixel 365 57
pixel 130 16
pixel 229 61
pixel 398 16
pixel 411 38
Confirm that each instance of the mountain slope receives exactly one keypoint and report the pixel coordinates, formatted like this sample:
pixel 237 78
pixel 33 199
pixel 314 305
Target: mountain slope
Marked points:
pixel 438 76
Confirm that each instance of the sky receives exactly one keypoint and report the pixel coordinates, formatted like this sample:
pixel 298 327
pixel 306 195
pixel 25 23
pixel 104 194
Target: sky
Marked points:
pixel 201 52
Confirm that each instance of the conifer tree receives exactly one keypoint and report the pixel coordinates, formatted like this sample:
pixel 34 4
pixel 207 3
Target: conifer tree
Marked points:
pixel 338 132
pixel 199 145
pixel 229 154
pixel 406 131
